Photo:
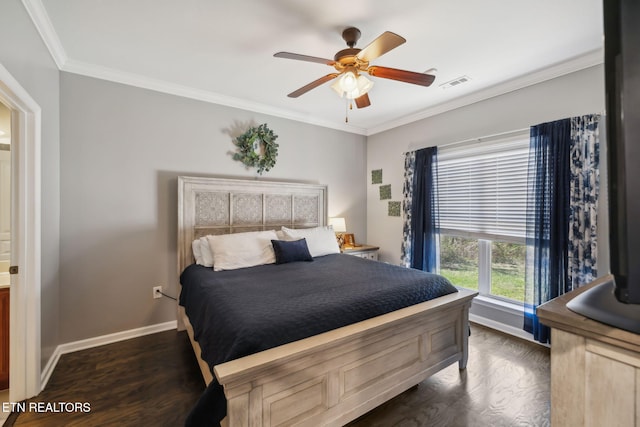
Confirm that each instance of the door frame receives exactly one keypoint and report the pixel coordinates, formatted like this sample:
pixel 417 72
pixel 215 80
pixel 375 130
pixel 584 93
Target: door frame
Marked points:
pixel 25 349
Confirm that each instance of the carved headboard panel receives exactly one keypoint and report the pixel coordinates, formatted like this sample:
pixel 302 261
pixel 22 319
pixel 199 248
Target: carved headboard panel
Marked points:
pixel 223 206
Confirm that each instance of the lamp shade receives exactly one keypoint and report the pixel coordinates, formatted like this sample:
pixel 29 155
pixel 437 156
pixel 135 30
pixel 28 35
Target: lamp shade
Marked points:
pixel 338 224
pixel 350 85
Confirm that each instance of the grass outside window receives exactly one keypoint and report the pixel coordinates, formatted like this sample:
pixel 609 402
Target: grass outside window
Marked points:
pixel 460 263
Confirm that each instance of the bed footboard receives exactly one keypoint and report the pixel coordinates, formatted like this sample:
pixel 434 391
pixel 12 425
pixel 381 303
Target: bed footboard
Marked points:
pixel 333 378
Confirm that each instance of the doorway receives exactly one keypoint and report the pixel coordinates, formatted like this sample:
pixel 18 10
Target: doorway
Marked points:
pixel 5 248
pixel 25 259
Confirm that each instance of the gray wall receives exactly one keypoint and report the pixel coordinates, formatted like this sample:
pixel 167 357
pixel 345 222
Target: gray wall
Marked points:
pixel 25 56
pixel 574 94
pixel 121 152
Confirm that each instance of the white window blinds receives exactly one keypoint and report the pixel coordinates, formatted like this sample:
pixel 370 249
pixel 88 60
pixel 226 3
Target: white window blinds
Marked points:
pixel 483 189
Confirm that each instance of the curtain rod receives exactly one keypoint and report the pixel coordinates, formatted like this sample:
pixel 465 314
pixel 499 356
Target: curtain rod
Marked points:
pixel 489 137
pixel 479 139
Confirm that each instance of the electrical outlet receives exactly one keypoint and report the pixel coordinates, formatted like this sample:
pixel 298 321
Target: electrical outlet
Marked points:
pixel 157 291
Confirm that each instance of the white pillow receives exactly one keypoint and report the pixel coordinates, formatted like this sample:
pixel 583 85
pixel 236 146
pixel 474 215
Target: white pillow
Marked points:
pixel 205 251
pixel 240 250
pixel 201 252
pixel 320 240
pixel 197 252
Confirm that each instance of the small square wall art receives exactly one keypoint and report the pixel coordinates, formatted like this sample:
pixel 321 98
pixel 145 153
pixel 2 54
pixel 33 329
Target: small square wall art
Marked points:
pixel 376 176
pixel 394 208
pixel 385 192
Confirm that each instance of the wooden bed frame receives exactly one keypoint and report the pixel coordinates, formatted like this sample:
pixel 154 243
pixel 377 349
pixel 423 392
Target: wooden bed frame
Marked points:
pixel 331 378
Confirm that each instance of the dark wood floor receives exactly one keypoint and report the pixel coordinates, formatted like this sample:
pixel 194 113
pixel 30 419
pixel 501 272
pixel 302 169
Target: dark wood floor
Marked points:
pixel 154 381
pixel 506 383
pixel 148 381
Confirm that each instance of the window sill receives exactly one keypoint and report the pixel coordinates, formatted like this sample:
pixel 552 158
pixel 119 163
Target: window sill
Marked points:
pixel 500 315
pixel 500 304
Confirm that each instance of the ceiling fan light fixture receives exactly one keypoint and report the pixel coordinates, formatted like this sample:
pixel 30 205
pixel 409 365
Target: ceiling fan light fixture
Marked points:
pixel 364 85
pixel 349 81
pixel 337 86
pixel 350 85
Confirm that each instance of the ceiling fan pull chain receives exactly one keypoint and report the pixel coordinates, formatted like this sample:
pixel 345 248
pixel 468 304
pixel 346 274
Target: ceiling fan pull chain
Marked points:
pixel 346 111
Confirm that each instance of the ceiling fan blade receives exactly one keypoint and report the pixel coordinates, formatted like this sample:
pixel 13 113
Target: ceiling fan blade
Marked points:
pixel 363 101
pixel 383 44
pixel 402 75
pixel 314 84
pixel 289 55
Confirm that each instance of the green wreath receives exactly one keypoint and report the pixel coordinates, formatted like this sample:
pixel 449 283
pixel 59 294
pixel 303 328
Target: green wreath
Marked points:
pixel 251 142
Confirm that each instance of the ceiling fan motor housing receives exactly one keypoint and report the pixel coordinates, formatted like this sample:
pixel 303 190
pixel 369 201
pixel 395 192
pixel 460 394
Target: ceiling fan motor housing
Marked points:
pixel 347 57
pixel 351 35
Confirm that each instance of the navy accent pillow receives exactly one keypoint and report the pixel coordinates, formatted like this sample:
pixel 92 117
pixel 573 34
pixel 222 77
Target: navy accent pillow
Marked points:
pixel 291 251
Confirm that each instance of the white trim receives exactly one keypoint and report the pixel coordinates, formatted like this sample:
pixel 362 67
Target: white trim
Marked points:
pixel 505 307
pixel 48 369
pixel 41 21
pixel 510 330
pixel 144 82
pixel 43 24
pixel 25 346
pixel 500 304
pixel 578 63
pixel 74 346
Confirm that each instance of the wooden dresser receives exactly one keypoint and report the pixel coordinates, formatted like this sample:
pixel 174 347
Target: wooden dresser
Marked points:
pixel 595 368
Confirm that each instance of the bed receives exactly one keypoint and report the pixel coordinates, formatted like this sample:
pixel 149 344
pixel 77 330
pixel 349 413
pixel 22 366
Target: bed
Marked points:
pixel 330 377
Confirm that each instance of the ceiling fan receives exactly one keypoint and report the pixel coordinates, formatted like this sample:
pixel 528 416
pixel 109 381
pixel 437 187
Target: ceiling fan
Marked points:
pixel 350 63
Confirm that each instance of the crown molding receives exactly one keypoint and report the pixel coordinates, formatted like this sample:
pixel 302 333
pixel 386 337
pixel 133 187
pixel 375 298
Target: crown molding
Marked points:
pixel 131 79
pixel 144 82
pixel 41 21
pixel 572 65
pixel 588 60
pixel 43 24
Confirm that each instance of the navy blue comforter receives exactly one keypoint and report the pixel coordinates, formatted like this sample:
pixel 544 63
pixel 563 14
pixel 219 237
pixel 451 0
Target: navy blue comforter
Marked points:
pixel 240 312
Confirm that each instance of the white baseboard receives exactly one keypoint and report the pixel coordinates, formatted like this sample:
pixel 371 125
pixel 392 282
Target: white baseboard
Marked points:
pixel 45 375
pixel 74 346
pixel 507 329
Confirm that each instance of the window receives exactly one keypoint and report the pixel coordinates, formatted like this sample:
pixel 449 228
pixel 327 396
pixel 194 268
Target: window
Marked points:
pixel 483 202
pixel 459 260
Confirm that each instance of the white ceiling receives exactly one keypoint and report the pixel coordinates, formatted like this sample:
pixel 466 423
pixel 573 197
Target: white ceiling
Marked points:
pixel 222 51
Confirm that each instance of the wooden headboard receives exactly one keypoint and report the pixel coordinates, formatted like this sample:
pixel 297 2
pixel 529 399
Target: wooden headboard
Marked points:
pixel 224 206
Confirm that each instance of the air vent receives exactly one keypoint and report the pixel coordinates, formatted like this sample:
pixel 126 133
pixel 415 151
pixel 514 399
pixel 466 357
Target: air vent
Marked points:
pixel 455 82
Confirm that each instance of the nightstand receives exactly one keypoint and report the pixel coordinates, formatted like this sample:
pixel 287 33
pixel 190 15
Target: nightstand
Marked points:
pixel 363 251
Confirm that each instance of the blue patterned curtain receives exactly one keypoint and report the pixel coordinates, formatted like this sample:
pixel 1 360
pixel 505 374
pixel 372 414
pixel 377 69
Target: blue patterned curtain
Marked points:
pixel 407 196
pixel 583 205
pixel 561 205
pixel 420 242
